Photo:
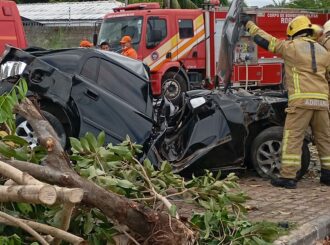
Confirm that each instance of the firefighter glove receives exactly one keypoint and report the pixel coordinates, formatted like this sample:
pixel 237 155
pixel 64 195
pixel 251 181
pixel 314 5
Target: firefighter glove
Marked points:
pixel 244 18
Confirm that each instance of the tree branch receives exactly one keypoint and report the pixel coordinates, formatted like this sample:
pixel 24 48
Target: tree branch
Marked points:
pixel 66 214
pixel 46 229
pixel 24 226
pixel 161 198
pixel 47 136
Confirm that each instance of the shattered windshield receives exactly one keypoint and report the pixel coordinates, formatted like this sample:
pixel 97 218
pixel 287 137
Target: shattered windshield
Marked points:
pixel 113 29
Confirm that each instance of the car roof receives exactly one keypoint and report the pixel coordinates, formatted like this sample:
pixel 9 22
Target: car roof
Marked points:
pixel 75 55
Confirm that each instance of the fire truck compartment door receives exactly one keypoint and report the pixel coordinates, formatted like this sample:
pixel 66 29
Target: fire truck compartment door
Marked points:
pixel 254 73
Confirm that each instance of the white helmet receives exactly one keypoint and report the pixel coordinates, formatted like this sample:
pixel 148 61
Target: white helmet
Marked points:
pixel 326 27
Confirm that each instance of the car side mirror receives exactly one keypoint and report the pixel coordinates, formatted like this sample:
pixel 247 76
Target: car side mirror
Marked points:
pixel 95 39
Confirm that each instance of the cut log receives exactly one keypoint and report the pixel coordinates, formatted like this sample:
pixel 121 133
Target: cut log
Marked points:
pixel 38 194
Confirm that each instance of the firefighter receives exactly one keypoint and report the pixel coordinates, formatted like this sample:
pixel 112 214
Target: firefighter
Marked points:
pixel 325 41
pixel 127 49
pixel 317 32
pixel 85 44
pixel 326 35
pixel 306 66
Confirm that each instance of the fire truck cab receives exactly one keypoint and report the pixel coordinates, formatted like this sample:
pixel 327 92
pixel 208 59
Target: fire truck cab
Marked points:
pixel 181 46
pixel 11 27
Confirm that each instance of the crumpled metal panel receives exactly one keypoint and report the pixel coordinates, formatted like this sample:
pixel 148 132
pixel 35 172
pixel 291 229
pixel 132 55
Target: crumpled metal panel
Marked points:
pixel 229 38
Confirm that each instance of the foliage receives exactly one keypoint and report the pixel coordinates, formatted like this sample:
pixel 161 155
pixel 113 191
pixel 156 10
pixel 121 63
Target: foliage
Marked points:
pixel 309 4
pixel 10 144
pixel 302 4
pixel 219 215
pixel 280 3
pixel 10 240
pixel 7 103
pixel 222 216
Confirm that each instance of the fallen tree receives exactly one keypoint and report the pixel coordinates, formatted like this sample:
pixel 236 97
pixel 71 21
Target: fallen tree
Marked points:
pixel 159 228
pixel 134 197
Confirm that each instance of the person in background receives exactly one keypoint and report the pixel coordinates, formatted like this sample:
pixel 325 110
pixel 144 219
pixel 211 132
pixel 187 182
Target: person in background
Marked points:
pixel 105 46
pixel 325 40
pixel 127 49
pixel 317 32
pixel 306 65
pixel 85 44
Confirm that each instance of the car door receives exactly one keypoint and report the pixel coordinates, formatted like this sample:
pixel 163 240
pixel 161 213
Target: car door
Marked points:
pixel 110 98
pixel 230 35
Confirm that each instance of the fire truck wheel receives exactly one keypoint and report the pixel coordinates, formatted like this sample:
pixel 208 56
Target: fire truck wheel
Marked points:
pixel 173 84
pixel 266 153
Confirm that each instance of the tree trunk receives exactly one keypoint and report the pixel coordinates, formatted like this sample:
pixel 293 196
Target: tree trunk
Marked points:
pixel 154 227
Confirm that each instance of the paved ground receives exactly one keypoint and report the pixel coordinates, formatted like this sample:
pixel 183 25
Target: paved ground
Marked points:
pixel 309 201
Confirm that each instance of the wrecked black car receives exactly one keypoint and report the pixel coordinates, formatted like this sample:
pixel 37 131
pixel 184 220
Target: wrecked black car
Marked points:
pixel 87 90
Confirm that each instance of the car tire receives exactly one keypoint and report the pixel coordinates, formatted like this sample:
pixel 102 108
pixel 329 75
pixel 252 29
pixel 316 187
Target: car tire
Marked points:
pixel 267 147
pixel 24 130
pixel 173 87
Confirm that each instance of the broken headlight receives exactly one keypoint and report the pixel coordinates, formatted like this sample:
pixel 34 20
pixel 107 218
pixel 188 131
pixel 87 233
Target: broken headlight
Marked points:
pixel 11 68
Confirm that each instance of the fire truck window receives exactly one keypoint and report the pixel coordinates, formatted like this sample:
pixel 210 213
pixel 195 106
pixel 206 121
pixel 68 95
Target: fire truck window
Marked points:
pixel 90 69
pixel 186 29
pixel 156 31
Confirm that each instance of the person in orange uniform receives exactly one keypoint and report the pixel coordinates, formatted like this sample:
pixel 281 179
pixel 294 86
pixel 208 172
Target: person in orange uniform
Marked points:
pixel 127 49
pixel 85 44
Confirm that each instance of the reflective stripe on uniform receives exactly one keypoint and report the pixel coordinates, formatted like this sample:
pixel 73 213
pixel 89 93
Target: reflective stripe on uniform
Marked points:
pixel 272 45
pixel 291 157
pixel 308 96
pixel 296 81
pixel 325 160
pixel 253 29
pixel 325 165
pixel 290 163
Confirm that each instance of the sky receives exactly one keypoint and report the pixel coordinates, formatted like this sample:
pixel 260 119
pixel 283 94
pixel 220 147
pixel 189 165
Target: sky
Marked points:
pixel 259 3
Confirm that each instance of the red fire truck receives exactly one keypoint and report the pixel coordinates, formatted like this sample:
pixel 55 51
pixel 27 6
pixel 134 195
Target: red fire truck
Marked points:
pixel 11 27
pixel 181 46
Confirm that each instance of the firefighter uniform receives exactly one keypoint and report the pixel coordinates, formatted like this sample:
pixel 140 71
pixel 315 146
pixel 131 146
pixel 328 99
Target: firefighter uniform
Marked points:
pixel 325 40
pixel 306 65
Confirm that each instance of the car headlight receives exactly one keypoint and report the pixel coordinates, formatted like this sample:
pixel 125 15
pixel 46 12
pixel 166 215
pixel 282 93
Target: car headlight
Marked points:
pixel 197 102
pixel 11 68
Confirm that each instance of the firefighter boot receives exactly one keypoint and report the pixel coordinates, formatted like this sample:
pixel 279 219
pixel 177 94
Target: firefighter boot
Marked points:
pixel 325 177
pixel 284 182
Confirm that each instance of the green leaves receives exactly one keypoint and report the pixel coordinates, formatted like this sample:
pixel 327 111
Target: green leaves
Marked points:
pixel 10 240
pixel 7 103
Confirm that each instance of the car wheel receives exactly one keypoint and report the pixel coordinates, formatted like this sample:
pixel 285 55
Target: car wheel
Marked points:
pixel 173 84
pixel 266 153
pixel 25 131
